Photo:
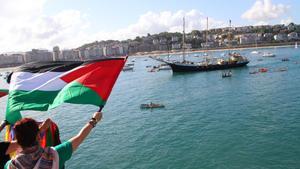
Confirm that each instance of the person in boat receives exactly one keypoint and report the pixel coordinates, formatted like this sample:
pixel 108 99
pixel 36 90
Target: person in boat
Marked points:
pixel 7 147
pixel 34 156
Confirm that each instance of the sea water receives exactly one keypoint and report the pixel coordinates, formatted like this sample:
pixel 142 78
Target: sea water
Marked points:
pixel 249 121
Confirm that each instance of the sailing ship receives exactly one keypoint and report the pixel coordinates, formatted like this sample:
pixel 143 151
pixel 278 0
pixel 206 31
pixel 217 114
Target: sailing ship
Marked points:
pixel 235 60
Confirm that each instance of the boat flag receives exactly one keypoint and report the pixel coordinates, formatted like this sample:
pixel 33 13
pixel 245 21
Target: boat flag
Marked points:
pixel 45 85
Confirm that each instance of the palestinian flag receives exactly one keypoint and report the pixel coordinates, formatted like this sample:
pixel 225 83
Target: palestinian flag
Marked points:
pixel 3 92
pixel 45 85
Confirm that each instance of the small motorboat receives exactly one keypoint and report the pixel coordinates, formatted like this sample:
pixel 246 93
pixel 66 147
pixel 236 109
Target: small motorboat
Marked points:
pixel 164 67
pixel 127 68
pixel 263 70
pixel 255 52
pixel 253 72
pixel 268 54
pixel 282 69
pixel 226 74
pixel 285 59
pixel 151 106
pixel 153 70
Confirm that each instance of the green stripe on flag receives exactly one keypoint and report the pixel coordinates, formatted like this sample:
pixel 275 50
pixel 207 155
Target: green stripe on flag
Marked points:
pixel 73 92
pixel 77 93
pixel 35 100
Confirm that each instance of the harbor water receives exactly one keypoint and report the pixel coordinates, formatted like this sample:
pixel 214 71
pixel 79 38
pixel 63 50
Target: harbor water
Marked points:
pixel 248 121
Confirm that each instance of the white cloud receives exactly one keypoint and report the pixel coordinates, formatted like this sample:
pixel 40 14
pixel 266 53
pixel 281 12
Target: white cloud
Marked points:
pixel 25 26
pixel 286 21
pixel 265 10
pixel 152 22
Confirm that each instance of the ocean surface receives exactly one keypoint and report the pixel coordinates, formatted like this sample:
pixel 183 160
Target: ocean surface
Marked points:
pixel 247 121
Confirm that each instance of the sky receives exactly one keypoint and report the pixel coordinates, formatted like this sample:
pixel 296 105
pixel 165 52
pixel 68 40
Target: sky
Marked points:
pixel 42 24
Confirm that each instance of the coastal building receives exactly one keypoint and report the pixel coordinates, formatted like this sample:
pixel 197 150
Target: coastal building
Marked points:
pixel 278 28
pixel 70 54
pixel 94 52
pixel 175 39
pixel 155 41
pixel 56 54
pixel 163 40
pixel 268 37
pixel 118 49
pixel 189 37
pixel 293 36
pixel 163 47
pixel 188 46
pixel 82 54
pixel 249 38
pixel 11 59
pixel 211 37
pixel 291 27
pixel 38 55
pixel 147 39
pixel 176 46
pixel 209 44
pixel 107 51
pixel 281 37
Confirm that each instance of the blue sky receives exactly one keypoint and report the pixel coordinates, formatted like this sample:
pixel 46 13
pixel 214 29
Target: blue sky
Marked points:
pixel 114 14
pixel 71 23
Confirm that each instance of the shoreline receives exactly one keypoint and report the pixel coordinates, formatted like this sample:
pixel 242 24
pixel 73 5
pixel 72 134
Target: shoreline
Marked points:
pixel 191 51
pixel 266 46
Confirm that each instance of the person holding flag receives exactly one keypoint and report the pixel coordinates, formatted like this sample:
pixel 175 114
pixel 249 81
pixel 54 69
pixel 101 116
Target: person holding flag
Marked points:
pixel 42 86
pixel 34 156
pixel 7 147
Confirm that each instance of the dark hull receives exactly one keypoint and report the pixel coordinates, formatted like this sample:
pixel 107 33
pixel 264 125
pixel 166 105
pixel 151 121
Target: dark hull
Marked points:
pixel 180 67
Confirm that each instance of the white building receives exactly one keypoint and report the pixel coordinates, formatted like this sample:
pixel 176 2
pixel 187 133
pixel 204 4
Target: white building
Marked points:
pixel 95 52
pixel 155 41
pixel 281 37
pixel 11 59
pixel 38 55
pixel 70 55
pixel 293 36
pixel 175 38
pixel 57 54
pixel 249 38
pixel 176 46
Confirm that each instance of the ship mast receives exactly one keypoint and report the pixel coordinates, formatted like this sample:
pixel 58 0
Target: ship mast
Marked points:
pixel 230 43
pixel 206 32
pixel 206 41
pixel 183 40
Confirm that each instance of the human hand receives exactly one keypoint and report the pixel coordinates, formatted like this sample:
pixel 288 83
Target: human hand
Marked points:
pixel 97 116
pixel 45 125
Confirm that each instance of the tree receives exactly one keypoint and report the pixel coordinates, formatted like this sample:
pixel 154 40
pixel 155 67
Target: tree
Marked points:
pixel 195 33
pixel 138 39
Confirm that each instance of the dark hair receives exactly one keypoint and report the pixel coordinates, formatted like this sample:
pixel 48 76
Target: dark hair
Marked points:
pixel 26 131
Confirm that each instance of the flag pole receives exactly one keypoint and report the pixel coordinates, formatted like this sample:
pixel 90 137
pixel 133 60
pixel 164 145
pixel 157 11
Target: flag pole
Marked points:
pixel 100 108
pixel 3 124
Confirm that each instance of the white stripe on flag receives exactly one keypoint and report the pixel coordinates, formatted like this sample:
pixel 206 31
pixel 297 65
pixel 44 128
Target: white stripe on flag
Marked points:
pixel 48 81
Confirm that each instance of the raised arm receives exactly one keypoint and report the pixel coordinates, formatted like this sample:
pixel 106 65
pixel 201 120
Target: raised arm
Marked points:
pixel 84 132
pixel 13 146
pixel 45 125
